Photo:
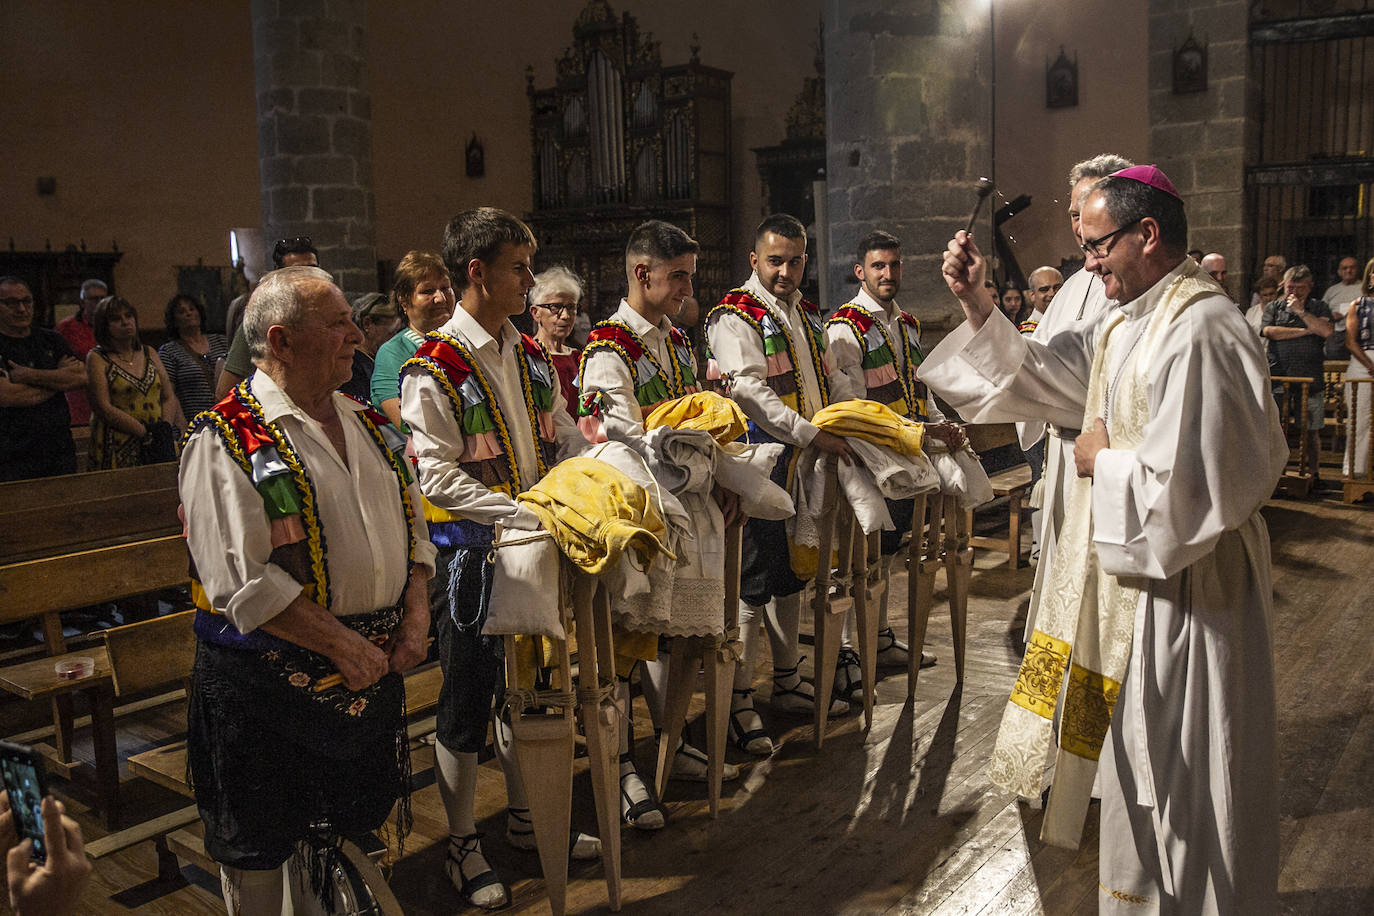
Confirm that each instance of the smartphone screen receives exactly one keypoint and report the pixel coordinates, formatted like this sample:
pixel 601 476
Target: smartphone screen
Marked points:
pixel 24 783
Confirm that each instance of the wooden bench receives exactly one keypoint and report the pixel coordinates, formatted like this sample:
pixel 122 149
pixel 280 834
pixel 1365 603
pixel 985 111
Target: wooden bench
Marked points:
pixel 1014 484
pixel 58 515
pixel 75 541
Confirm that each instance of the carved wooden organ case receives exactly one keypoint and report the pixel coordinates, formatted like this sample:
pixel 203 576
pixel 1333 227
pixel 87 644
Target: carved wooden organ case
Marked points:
pixel 620 139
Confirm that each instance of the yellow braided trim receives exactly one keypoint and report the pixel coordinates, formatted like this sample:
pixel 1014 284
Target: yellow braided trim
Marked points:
pixel 497 418
pixel 314 532
pixel 216 421
pixel 527 388
pixel 400 480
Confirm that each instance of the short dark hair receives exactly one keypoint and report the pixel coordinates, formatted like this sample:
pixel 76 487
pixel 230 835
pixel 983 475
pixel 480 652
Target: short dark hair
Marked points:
pixel 1128 200
pixel 789 227
pixel 107 310
pixel 17 281
pixel 659 241
pixel 477 235
pixel 300 244
pixel 877 240
pixel 169 314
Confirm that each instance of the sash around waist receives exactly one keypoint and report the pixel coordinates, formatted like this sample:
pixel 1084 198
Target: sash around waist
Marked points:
pixel 218 630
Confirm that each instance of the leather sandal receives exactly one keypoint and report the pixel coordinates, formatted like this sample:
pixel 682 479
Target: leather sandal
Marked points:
pixel 520 835
pixel 752 741
pixel 848 676
pixel 645 814
pixel 797 701
pixel 459 848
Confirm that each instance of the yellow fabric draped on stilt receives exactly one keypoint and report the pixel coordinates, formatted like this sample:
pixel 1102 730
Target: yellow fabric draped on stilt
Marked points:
pixel 874 422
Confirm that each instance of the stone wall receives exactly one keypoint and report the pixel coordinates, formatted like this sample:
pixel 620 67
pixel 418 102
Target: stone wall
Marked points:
pixel 1202 140
pixel 315 132
pixel 909 128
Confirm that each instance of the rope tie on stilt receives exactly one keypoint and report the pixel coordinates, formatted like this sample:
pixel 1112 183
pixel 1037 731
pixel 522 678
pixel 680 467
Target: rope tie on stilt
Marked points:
pixel 730 648
pixel 520 699
pixel 598 694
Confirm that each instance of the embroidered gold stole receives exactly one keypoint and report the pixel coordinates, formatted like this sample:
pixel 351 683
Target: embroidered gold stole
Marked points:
pixel 1082 641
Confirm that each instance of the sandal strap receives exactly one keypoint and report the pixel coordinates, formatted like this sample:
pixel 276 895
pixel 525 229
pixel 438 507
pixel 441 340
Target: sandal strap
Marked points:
pixel 744 737
pixel 787 672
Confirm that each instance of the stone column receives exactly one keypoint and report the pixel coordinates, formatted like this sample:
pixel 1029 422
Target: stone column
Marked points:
pixel 1200 140
pixel 908 133
pixel 315 132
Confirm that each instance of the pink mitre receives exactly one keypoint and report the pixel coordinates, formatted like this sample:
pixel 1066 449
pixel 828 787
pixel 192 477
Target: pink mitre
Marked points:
pixel 1150 175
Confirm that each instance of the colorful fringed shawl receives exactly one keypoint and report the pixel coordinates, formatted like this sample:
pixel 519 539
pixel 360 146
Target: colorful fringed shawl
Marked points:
pixel 488 455
pixel 288 495
pixel 899 389
pixel 654 383
pixel 783 374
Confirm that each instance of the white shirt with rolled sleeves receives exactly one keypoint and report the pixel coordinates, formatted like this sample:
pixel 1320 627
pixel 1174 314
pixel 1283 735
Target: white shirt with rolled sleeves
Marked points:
pixel 621 418
pixel 738 352
pixel 359 507
pixel 844 352
pixel 437 436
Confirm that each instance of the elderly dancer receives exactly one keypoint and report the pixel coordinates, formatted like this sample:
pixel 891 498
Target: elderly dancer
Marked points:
pixel 874 347
pixel 303 524
pixel 767 347
pixel 487 418
pixel 1159 606
pixel 634 361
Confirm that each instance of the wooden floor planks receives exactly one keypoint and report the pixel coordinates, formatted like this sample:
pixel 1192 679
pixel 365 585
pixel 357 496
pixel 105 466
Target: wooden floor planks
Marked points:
pixel 902 820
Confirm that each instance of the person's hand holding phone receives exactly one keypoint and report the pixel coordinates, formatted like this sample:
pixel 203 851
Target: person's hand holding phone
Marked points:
pixel 53 887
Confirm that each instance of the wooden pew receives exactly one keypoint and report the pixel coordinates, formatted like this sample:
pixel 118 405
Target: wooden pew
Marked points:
pixel 58 515
pixel 79 540
pixel 1014 484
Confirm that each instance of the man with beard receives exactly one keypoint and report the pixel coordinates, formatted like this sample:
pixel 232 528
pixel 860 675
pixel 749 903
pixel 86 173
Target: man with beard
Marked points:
pixel 868 339
pixel 767 348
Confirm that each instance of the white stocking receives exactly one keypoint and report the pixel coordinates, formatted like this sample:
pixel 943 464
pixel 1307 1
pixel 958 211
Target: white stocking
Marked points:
pixel 653 680
pixel 457 788
pixel 751 640
pixel 784 621
pixel 510 764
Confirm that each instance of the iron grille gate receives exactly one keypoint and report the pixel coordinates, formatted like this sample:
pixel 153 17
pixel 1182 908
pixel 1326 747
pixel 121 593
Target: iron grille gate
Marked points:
pixel 1310 191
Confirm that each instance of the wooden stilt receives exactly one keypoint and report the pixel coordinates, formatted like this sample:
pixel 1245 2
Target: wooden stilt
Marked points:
pixel 720 673
pixel 544 745
pixel 864 578
pixel 682 680
pixel 919 591
pixel 600 719
pixel 958 571
pixel 837 534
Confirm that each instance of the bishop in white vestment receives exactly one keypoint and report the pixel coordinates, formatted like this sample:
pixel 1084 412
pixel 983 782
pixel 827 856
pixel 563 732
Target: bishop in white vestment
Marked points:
pixel 1157 621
